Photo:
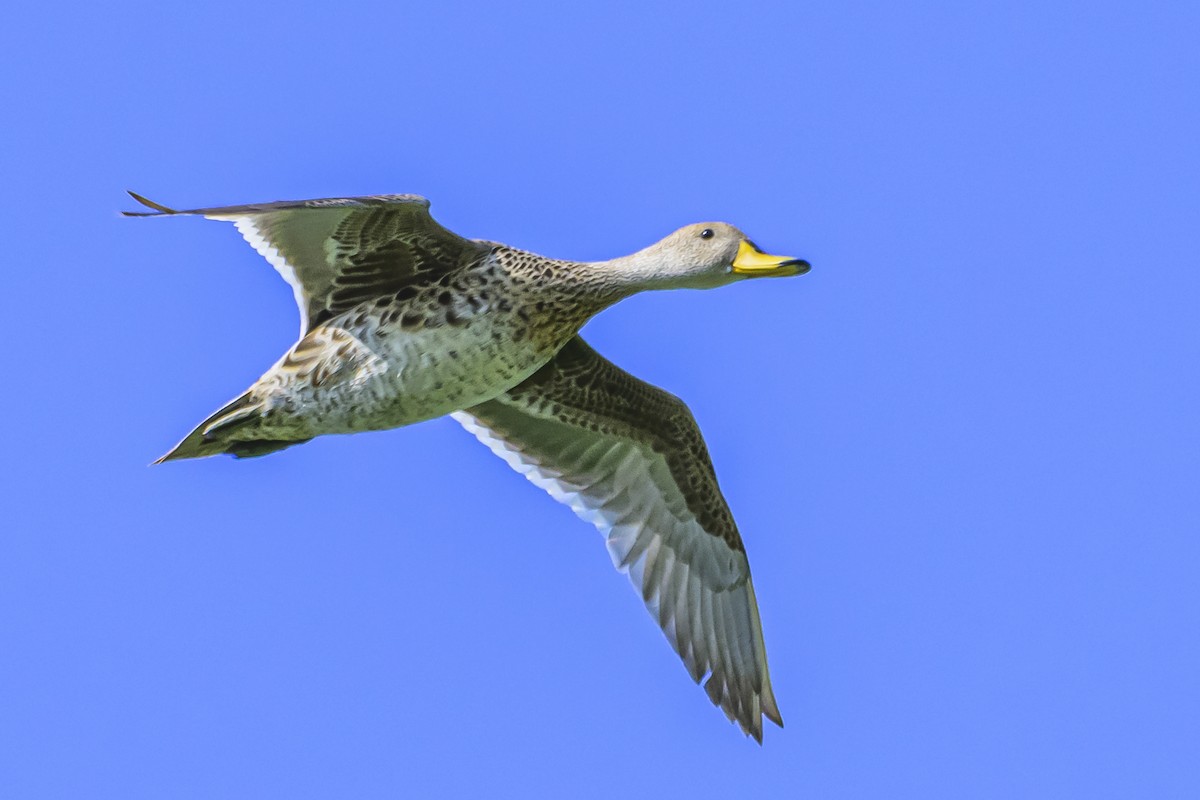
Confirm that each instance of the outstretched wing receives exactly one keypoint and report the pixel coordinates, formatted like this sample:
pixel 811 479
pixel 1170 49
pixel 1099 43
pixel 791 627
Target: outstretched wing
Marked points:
pixel 629 458
pixel 338 252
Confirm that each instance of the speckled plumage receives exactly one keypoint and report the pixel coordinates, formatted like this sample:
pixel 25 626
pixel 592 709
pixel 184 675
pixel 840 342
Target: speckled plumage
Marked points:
pixel 419 352
pixel 407 321
pixel 402 321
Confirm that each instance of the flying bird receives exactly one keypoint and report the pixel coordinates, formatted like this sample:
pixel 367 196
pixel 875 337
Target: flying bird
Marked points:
pixel 402 320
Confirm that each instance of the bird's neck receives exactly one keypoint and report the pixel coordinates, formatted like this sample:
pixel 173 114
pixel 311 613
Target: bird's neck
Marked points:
pixel 618 278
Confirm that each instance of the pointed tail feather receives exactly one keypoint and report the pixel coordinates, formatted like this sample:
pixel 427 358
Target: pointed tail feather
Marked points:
pixel 217 434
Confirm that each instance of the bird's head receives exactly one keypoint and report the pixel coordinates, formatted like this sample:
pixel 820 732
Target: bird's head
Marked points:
pixel 710 254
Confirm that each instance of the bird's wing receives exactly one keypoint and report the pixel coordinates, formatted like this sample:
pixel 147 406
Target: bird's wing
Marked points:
pixel 628 457
pixel 338 252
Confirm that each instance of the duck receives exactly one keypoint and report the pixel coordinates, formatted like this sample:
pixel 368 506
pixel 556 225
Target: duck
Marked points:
pixel 402 320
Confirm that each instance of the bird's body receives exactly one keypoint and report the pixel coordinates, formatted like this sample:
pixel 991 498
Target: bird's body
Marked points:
pixel 403 321
pixel 422 352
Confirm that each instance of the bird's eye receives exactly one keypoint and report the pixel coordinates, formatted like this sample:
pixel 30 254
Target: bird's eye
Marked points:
pixel 707 233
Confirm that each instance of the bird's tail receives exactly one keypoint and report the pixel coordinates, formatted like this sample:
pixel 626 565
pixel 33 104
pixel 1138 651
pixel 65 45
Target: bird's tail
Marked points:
pixel 227 431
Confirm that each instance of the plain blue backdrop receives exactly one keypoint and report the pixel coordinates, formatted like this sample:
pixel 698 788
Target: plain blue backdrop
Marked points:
pixel 963 450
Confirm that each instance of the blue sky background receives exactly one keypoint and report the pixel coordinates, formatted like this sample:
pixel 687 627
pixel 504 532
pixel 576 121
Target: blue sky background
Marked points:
pixel 964 450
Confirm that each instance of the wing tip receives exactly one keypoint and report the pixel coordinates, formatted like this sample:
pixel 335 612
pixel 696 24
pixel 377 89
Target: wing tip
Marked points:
pixel 159 209
pixel 752 724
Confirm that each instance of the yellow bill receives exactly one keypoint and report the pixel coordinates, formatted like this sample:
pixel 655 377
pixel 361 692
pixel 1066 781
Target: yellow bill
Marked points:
pixel 754 263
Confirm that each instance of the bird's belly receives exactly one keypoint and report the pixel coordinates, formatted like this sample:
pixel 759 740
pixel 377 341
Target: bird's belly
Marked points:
pixel 398 378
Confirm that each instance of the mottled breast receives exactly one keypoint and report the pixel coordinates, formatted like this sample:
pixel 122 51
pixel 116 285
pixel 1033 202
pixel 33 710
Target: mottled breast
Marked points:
pixel 428 350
